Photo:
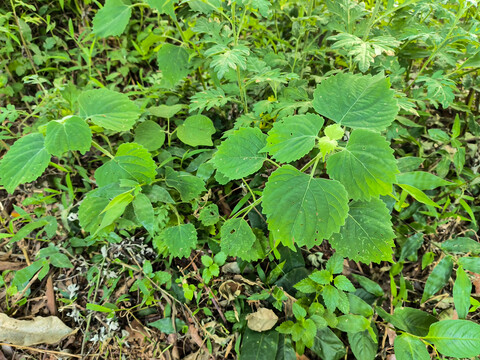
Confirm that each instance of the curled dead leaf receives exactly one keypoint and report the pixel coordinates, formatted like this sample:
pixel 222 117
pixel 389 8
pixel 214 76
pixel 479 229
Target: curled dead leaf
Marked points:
pixel 230 289
pixel 261 320
pixel 40 330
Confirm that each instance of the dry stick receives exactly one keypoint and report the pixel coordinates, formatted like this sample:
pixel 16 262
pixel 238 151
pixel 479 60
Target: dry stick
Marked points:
pixel 43 350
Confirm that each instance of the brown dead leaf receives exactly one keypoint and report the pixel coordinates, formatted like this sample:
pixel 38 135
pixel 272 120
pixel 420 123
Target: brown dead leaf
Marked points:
pixel 476 284
pixel 262 320
pixel 8 265
pixel 391 334
pixel 50 294
pixel 230 290
pixel 40 330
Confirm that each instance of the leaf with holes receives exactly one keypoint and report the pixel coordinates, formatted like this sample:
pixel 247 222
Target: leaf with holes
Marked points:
pixel 301 209
pixel 367 234
pixel 236 237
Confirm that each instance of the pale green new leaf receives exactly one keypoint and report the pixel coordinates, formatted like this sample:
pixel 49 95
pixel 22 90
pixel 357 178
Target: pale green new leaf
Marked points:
pixel 196 130
pixel 163 6
pixel 108 109
pixel 132 161
pixel 419 195
pixel 72 133
pixel 144 212
pixel 303 210
pixel 455 338
pixel 366 167
pixel 357 101
pixel 236 237
pixel 408 347
pixel 205 100
pixel 114 209
pixel 439 88
pixel 180 239
pixel 26 160
pixel 367 234
pixel 188 185
pixel 112 19
pixel 352 323
pixel 293 137
pixel 239 155
pixel 150 135
pixel 173 63
pixel 422 180
pixel 225 58
pixel 462 289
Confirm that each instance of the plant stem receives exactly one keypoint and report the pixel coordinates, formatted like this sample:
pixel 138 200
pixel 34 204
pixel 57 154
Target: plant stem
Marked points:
pixel 102 150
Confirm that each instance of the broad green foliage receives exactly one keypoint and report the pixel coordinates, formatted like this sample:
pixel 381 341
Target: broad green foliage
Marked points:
pixel 196 130
pixel 150 135
pixel 186 184
pixel 112 19
pixel 367 234
pixel 456 338
pixel 162 6
pixel 237 237
pixel 180 239
pixel 293 137
pixel 240 155
pixel 421 180
pixel 25 161
pixel 173 62
pixel 108 109
pixel 438 278
pixel 408 347
pixel 461 293
pixel 303 210
pixel 144 212
pixel 72 133
pixel 132 161
pixel 356 101
pixel 366 167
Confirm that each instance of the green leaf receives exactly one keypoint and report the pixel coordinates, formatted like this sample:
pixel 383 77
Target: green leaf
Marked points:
pixel 209 215
pixel 456 338
pixel 196 130
pixel 367 234
pixel 369 285
pixel 144 212
pixel 330 297
pixel 302 210
pixel 165 325
pixel 239 156
pixel 180 239
pixel 335 264
pixel 410 348
pixel 188 185
pixel 114 209
pixel 366 167
pixel 293 137
pixel 357 101
pixel 150 135
pixel 26 160
pixel 422 180
pixel 342 283
pixel 112 19
pixel 362 345
pixel 259 345
pixel 327 345
pixel 352 323
pixel 163 6
pixel 285 349
pixel 334 132
pixel 72 133
pixel 225 58
pixel 322 277
pixel 132 161
pixel 173 62
pixel 413 321
pixel 236 237
pixel 158 194
pixel 298 311
pixel 359 306
pixel 439 88
pixel 411 246
pixel 462 289
pixel 461 245
pixel 165 111
pixel 108 109
pixel 470 263
pixel 419 195
pixel 438 278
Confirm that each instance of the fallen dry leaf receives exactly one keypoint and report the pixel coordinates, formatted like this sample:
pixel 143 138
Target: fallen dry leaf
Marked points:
pixel 40 330
pixel 262 320
pixel 230 289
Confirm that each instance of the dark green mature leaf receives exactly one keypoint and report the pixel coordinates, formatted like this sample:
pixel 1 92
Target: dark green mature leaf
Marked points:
pixel 362 345
pixel 367 234
pixel 163 6
pixel 285 349
pixel 26 160
pixel 470 263
pixel 422 180
pixel 209 215
pixel 461 293
pixel 150 135
pixel 327 345
pixel 239 155
pixel 461 245
pixel 302 210
pixel 173 63
pixel 144 212
pixel 188 185
pixel 293 137
pixel 180 239
pixel 455 338
pixel 108 109
pixel 72 133
pixel 410 348
pixel 259 345
pixel 369 285
pixel 132 161
pixel 359 306
pixel 366 167
pixel 413 321
pixel 438 278
pixel 357 101
pixel 196 130
pixel 236 237
pixel 112 19
pixel 411 246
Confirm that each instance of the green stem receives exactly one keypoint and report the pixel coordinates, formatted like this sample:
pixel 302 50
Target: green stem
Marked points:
pixel 250 190
pixel 248 208
pixel 59 167
pixel 273 162
pixel 102 150
pixel 317 159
